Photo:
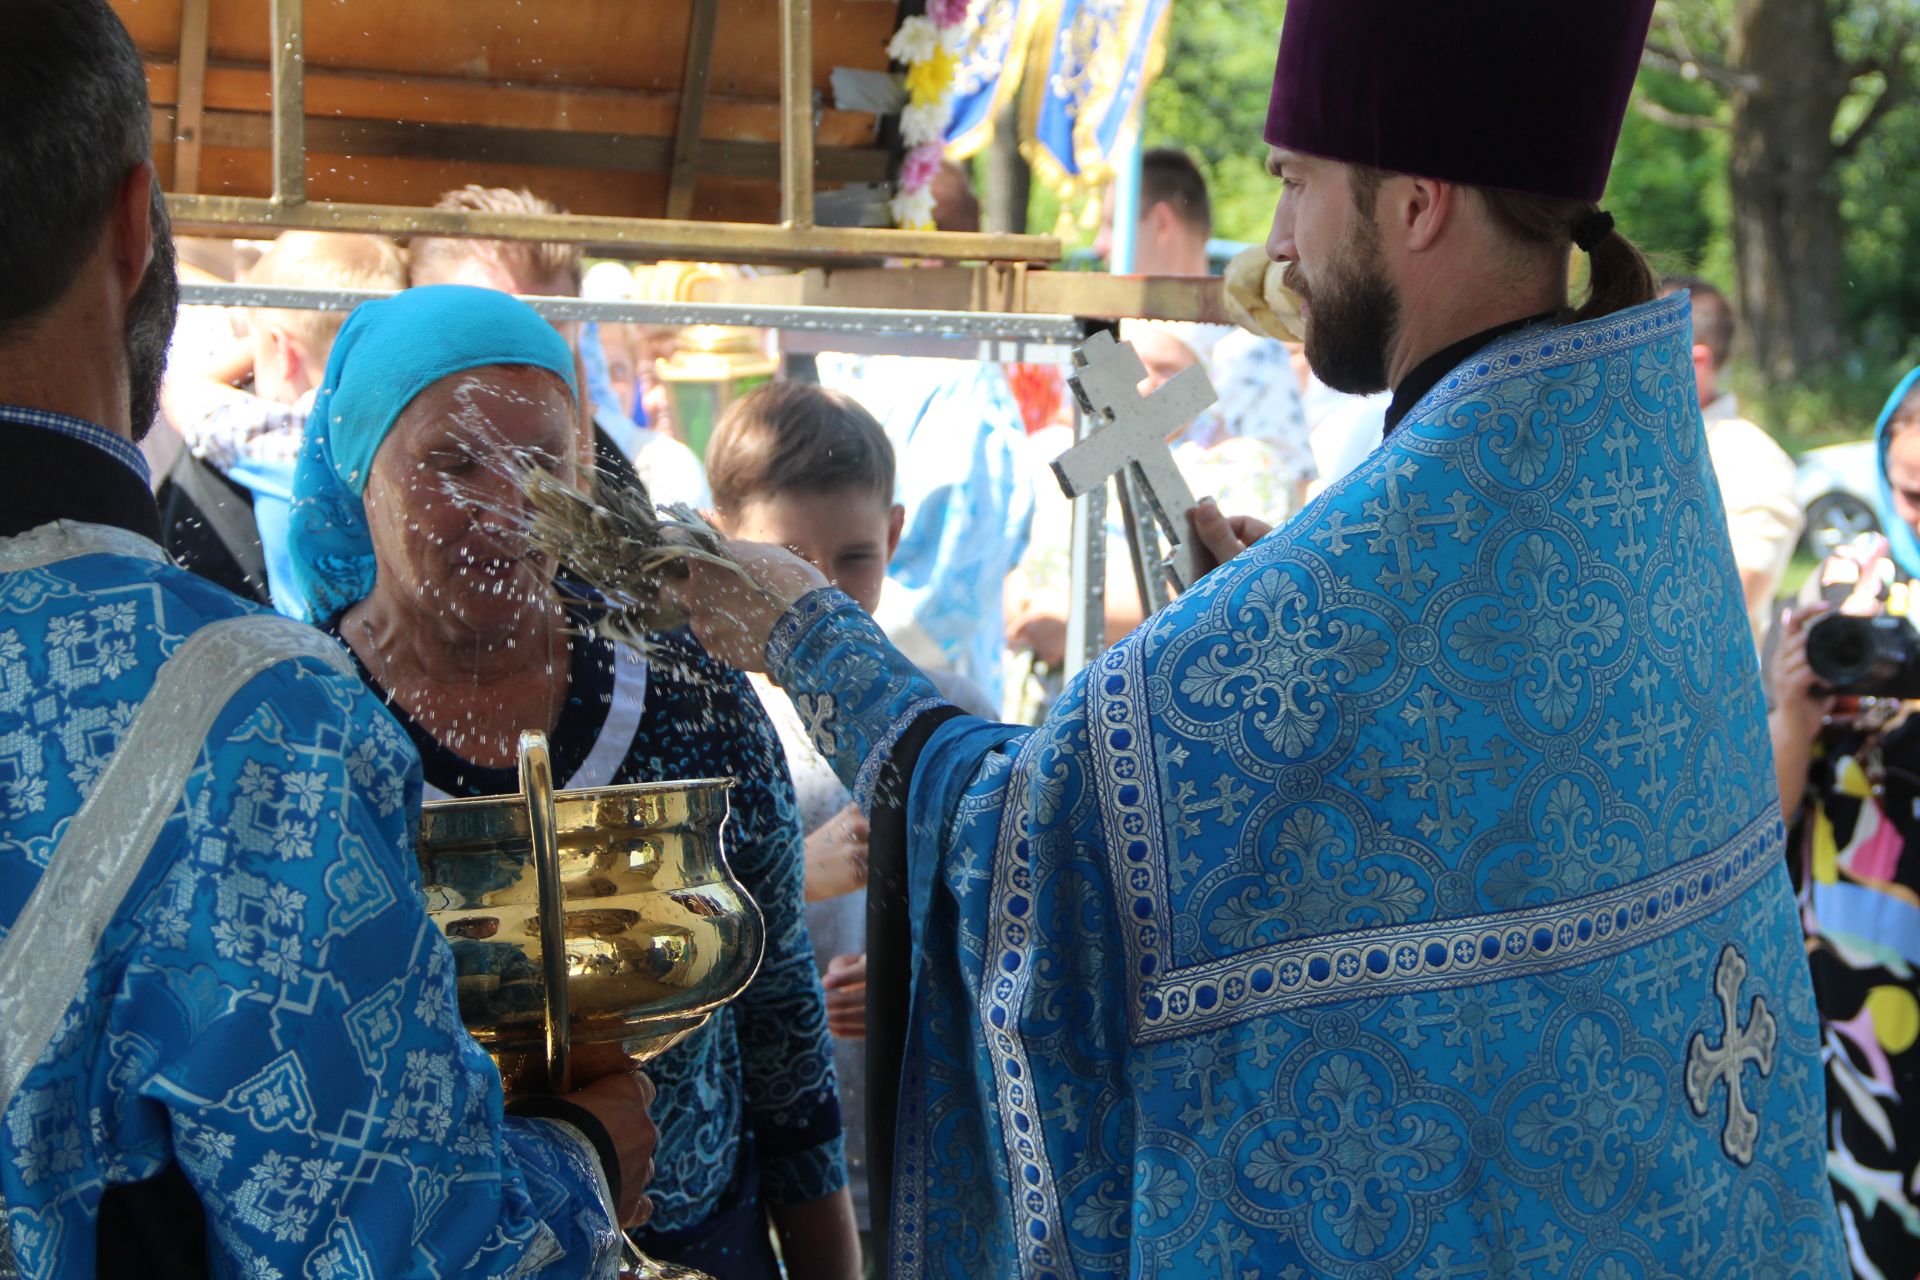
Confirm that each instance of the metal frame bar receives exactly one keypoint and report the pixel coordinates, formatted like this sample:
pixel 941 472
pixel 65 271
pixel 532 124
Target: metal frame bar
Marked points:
pixel 796 114
pixel 935 324
pixel 1143 541
pixel 1087 572
pixel 289 102
pixel 625 237
pixel 188 130
pixel 693 108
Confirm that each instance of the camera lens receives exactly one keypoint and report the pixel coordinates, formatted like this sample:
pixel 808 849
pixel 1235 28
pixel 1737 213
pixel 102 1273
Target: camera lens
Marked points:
pixel 1841 650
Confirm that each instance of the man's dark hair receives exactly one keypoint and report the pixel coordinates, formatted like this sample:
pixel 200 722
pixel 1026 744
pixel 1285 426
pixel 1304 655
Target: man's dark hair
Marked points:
pixel 1713 323
pixel 955 207
pixel 73 121
pixel 1169 176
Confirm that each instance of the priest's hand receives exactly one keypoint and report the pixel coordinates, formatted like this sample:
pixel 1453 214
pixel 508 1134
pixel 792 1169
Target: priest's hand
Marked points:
pixel 732 615
pixel 620 1101
pixel 846 984
pixel 1222 537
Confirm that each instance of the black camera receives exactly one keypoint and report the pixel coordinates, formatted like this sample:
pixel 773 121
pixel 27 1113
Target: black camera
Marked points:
pixel 1868 657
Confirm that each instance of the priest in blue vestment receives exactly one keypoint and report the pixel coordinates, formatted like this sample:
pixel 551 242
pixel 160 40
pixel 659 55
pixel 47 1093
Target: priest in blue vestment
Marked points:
pixel 1407 898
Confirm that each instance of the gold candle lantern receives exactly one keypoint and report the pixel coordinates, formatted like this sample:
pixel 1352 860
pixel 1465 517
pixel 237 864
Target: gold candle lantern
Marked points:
pixel 711 367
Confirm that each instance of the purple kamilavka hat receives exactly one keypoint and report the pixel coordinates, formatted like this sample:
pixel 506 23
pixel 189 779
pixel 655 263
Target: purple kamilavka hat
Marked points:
pixel 1524 95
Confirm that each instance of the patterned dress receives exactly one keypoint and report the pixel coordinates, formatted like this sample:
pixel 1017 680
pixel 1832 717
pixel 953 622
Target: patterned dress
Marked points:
pixel 265 1017
pixel 747 1109
pixel 1859 890
pixel 1406 900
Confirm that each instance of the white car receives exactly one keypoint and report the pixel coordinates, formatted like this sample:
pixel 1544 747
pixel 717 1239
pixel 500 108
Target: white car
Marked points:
pixel 1836 489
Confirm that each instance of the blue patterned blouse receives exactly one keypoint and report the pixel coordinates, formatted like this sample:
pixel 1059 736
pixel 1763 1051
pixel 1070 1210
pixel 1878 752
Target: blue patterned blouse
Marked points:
pixel 748 1111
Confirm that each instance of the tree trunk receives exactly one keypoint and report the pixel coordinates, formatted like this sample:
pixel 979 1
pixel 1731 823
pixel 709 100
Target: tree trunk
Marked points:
pixel 1009 176
pixel 1786 205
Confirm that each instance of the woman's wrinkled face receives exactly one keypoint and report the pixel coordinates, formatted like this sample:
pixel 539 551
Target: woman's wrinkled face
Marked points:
pixel 445 503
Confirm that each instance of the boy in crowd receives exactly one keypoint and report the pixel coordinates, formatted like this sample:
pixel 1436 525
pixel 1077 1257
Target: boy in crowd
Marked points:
pixel 809 469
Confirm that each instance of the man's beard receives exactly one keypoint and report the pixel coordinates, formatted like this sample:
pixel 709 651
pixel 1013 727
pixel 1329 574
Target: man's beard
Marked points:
pixel 1352 315
pixel 150 316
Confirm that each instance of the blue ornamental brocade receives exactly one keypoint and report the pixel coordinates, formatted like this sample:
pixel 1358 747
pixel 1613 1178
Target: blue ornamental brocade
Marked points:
pixel 269 1009
pixel 1405 900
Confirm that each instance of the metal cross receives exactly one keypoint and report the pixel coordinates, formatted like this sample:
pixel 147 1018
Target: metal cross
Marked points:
pixel 1738 1046
pixel 1131 432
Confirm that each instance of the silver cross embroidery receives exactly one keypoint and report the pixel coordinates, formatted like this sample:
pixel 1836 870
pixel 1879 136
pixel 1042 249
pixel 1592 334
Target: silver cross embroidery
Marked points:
pixel 816 716
pixel 1106 381
pixel 1707 1067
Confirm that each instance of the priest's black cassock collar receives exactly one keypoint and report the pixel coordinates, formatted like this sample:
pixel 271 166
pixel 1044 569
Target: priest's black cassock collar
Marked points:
pixel 1523 95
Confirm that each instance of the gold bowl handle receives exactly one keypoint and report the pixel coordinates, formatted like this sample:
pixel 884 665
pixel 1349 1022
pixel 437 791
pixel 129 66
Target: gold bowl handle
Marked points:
pixel 536 784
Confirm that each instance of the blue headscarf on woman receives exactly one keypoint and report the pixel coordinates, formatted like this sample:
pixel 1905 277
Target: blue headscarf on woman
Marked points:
pixel 1900 535
pixel 389 352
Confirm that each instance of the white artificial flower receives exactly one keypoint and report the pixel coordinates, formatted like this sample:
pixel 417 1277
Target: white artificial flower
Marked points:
pixel 915 41
pixel 912 208
pixel 922 123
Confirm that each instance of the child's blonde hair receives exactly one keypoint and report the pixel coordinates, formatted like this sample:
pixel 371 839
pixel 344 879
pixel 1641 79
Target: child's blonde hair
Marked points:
pixel 325 260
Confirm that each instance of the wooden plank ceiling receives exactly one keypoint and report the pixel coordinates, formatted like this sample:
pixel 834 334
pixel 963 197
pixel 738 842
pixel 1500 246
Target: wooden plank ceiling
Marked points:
pixel 578 100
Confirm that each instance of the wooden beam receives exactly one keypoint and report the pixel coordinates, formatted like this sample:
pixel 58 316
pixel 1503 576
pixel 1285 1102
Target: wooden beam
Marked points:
pixel 1096 295
pixel 372 95
pixel 558 148
pixel 627 237
pixel 693 108
pixel 192 95
pixel 1002 286
pixel 289 102
pixel 796 112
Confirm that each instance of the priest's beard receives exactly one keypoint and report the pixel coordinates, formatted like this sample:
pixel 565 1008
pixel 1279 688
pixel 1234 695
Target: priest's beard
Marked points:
pixel 1354 312
pixel 150 316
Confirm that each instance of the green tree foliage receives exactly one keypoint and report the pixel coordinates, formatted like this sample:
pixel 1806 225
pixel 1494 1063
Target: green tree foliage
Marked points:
pixel 1211 99
pixel 1669 187
pixel 1669 182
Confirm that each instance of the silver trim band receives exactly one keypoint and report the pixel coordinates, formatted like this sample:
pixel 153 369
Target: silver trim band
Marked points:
pixel 44 958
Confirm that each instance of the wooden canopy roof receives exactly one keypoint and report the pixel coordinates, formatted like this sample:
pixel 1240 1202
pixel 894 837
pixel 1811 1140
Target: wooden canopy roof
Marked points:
pixel 668 128
pixel 629 108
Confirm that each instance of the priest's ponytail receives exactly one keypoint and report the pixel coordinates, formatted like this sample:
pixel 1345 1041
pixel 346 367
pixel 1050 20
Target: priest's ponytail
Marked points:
pixel 1618 275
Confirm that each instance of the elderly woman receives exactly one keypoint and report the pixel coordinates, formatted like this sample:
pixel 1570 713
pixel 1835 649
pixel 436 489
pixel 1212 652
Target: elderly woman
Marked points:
pixel 408 544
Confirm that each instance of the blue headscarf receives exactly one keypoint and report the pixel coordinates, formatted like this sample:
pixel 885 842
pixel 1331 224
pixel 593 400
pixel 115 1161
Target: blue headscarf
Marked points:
pixel 388 353
pixel 1900 536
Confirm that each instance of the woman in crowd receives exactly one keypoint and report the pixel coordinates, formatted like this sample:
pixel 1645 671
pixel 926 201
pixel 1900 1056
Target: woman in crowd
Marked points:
pixel 408 543
pixel 1850 785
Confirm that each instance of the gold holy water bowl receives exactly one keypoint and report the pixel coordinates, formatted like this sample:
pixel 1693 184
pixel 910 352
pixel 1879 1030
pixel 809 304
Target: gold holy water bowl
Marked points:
pixel 602 916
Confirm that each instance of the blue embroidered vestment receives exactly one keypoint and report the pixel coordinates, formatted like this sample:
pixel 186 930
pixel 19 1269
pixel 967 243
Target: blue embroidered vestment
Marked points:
pixel 1405 900
pixel 269 1010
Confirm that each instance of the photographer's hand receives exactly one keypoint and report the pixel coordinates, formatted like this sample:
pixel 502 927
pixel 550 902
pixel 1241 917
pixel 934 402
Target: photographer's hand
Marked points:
pixel 1800 706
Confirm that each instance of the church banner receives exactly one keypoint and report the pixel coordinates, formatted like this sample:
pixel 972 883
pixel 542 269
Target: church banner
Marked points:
pixel 992 61
pixel 1084 65
pixel 1084 85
